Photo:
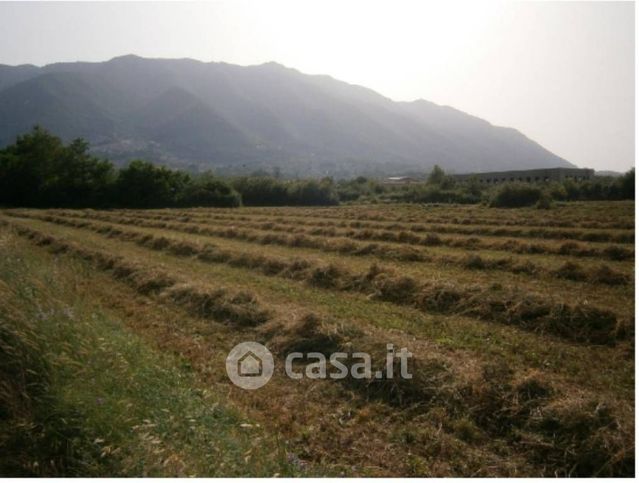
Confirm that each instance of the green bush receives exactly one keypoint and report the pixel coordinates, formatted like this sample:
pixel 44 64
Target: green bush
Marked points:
pixel 268 191
pixel 144 185
pixel 207 190
pixel 360 188
pixel 515 195
pixel 312 192
pixel 545 201
pixel 261 190
pixel 425 193
pixel 600 188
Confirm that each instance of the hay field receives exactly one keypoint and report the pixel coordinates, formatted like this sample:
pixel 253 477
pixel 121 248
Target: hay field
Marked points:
pixel 521 322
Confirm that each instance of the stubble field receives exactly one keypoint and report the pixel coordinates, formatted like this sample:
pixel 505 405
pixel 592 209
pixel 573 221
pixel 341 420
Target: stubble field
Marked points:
pixel 521 323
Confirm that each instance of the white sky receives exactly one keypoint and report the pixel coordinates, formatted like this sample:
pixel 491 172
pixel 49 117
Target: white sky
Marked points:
pixel 562 73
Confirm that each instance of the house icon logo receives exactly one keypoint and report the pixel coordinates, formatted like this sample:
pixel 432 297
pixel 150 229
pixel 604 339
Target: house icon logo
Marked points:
pixel 249 365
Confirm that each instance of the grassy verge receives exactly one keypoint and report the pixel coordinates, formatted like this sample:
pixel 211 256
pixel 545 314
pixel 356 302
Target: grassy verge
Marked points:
pixel 81 395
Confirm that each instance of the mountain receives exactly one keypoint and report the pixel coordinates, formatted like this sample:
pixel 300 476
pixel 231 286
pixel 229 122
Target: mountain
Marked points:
pixel 611 174
pixel 195 115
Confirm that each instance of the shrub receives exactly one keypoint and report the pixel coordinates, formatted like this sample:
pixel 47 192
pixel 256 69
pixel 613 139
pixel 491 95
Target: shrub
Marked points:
pixel 312 192
pixel 427 193
pixel 143 185
pixel 267 191
pixel 207 190
pixel 544 202
pixel 359 188
pixel 514 195
pixel 557 191
pixel 437 176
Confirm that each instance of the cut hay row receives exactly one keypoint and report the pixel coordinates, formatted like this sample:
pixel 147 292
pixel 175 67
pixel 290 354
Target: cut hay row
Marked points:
pixel 560 429
pixel 403 251
pixel 552 430
pixel 454 214
pixel 239 308
pixel 623 237
pixel 306 333
pixel 341 246
pixel 602 274
pixel 581 322
pixel 408 236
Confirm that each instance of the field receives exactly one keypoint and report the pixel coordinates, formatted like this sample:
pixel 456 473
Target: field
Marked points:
pixel 117 325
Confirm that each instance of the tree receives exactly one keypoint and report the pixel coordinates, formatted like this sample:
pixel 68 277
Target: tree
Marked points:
pixel 77 179
pixel 628 185
pixel 144 185
pixel 515 195
pixel 313 193
pixel 474 187
pixel 40 171
pixel 437 176
pixel 207 190
pixel 261 191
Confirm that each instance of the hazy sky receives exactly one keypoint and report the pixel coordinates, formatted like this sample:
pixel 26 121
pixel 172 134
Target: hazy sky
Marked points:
pixel 562 73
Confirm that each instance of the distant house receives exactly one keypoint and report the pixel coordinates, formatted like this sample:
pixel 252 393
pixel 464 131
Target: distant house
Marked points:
pixel 529 175
pixel 401 180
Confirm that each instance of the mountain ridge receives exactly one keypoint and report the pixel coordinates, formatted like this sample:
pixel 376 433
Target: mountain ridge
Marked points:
pixel 245 118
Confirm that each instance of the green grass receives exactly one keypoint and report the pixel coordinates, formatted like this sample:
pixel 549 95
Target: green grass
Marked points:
pixel 107 403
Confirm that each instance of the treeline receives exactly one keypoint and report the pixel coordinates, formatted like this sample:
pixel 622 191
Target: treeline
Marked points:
pixel 441 188
pixel 437 188
pixel 513 195
pixel 268 191
pixel 39 170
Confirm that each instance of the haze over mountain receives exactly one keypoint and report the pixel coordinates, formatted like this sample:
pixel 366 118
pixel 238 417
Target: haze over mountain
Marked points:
pixel 189 114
